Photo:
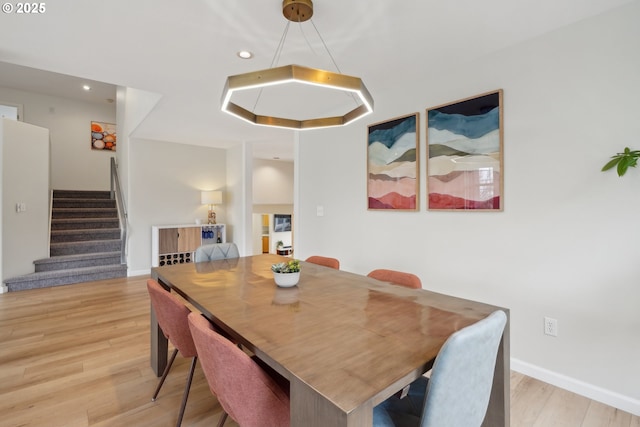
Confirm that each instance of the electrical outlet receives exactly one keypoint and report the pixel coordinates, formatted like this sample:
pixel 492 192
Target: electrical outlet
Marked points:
pixel 550 326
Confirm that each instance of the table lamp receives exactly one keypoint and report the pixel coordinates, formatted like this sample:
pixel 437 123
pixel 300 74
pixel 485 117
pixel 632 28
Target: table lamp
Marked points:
pixel 211 198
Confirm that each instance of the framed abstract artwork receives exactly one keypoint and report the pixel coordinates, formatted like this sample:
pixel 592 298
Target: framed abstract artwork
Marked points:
pixel 393 164
pixel 103 136
pixel 464 154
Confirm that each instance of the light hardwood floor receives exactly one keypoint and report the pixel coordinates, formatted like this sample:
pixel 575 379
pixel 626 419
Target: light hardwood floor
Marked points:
pixel 78 356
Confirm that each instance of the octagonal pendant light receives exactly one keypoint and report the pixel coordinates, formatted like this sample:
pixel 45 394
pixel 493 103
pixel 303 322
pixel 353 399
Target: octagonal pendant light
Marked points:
pixel 297 11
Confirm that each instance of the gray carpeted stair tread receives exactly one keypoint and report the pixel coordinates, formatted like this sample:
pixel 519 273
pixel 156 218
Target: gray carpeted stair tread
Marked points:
pixel 84 223
pixel 76 257
pixel 85 243
pixel 83 203
pixel 65 277
pixel 82 194
pixel 84 210
pixel 85 230
pixel 97 219
pixel 94 234
pixel 67 272
pixel 88 246
pixel 62 262
pixel 61 213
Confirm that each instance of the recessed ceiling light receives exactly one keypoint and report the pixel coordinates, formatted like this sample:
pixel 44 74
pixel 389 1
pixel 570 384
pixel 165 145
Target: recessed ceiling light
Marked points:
pixel 245 54
pixel 86 87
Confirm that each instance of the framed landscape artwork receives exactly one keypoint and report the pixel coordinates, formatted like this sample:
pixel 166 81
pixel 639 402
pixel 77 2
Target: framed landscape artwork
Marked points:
pixel 464 154
pixel 392 164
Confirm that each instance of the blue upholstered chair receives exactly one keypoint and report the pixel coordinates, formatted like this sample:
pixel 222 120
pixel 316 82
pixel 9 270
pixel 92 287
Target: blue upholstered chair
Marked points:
pixel 457 394
pixel 216 251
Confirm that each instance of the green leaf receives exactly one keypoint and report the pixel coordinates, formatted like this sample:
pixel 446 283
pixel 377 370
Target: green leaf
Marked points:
pixel 623 161
pixel 623 165
pixel 611 163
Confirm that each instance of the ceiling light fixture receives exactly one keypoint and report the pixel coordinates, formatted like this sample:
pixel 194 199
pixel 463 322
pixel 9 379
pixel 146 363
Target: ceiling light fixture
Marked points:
pixel 86 87
pixel 297 11
pixel 245 54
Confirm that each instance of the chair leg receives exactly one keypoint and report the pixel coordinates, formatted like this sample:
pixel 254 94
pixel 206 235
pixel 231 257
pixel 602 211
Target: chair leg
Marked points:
pixel 185 396
pixel 164 375
pixel 222 419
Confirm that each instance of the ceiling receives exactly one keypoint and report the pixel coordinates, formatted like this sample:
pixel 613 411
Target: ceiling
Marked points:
pixel 184 51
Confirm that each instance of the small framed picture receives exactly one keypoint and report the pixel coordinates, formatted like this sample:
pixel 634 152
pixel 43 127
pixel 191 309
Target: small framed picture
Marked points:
pixel 103 136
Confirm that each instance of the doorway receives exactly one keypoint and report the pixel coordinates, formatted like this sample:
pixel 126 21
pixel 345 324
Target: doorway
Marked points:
pixel 267 233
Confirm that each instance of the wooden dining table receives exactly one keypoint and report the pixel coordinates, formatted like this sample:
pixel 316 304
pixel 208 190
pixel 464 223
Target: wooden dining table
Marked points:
pixel 346 342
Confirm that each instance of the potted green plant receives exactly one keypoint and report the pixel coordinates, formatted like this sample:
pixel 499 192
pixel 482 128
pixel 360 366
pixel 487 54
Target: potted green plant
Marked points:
pixel 623 161
pixel 287 273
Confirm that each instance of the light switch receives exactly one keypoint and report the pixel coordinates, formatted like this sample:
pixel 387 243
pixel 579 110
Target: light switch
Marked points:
pixel 21 207
pixel 320 210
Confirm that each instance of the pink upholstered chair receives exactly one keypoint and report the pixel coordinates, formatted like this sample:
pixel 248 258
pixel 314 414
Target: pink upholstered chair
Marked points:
pixel 251 395
pixel 397 278
pixel 172 314
pixel 326 261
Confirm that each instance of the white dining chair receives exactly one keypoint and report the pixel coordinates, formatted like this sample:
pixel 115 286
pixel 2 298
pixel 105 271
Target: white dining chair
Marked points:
pixel 216 251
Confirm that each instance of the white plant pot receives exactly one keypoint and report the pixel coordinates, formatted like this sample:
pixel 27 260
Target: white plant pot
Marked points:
pixel 286 280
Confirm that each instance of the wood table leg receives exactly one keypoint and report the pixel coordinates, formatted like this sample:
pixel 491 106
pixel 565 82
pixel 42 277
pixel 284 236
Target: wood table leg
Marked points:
pixel 159 346
pixel 310 409
pixel 159 343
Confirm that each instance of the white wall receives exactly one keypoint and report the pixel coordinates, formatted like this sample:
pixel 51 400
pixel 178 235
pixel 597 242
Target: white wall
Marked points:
pixel 165 181
pixel 74 165
pixel 238 197
pixel 272 182
pixel 566 245
pixel 133 105
pixel 24 179
pixel 272 193
pixel 256 237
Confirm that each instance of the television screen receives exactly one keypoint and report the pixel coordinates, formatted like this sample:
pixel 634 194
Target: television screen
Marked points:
pixel 281 222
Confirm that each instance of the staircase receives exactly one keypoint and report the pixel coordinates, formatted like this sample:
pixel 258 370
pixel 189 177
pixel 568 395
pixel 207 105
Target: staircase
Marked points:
pixel 85 242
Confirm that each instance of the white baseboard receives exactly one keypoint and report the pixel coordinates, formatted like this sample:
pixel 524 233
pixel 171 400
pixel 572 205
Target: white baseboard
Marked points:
pixel 132 273
pixel 3 289
pixel 608 397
